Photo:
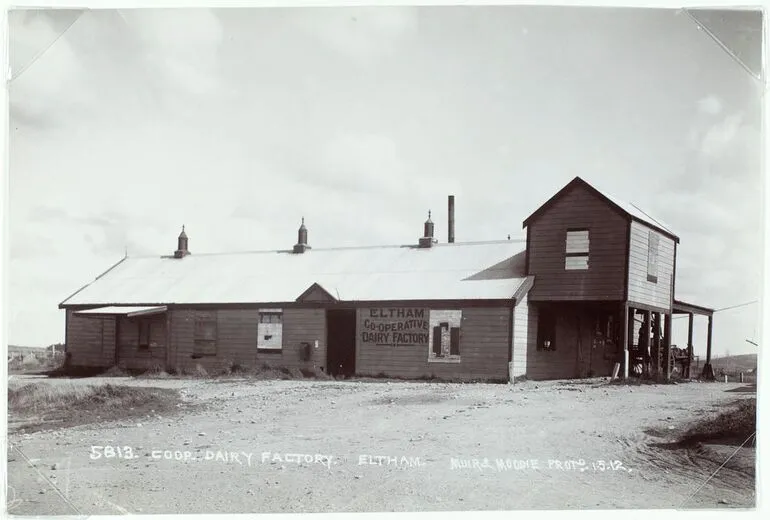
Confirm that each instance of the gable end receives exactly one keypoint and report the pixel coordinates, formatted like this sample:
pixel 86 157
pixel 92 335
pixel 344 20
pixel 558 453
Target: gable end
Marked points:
pixel 316 293
pixel 575 183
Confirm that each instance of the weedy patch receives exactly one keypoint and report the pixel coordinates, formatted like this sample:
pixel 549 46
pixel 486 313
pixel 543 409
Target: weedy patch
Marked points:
pixel 732 426
pixel 38 406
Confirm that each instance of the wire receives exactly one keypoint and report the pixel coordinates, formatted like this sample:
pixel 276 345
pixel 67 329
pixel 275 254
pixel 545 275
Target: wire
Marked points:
pixel 725 308
pixel 659 223
pixel 753 435
pixel 45 49
pixel 736 306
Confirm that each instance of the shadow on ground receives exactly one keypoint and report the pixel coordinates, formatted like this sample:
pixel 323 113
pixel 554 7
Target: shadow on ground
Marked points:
pixel 749 389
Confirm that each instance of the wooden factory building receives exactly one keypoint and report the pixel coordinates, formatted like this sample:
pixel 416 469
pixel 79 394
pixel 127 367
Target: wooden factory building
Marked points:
pixel 593 287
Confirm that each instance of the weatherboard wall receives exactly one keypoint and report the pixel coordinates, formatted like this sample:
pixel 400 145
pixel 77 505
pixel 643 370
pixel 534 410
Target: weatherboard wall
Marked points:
pixel 90 340
pixel 605 277
pixel 524 334
pixel 484 344
pixel 575 355
pixel 236 339
pixel 658 293
pixel 304 328
pixel 130 354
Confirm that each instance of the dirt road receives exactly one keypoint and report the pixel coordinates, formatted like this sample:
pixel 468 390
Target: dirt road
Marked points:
pixel 313 446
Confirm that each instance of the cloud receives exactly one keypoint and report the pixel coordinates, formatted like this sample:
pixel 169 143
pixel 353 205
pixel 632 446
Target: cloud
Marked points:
pixel 180 44
pixel 35 97
pixel 716 139
pixel 362 162
pixel 111 232
pixel 361 33
pixel 109 60
pixel 710 105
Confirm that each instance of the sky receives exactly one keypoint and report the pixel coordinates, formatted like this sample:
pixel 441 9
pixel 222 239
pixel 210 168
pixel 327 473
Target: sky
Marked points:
pixel 125 125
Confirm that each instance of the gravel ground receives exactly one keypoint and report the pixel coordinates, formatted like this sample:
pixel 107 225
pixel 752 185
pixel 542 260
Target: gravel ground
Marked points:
pixel 329 446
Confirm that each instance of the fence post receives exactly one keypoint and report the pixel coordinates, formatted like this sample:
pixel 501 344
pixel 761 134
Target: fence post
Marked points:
pixel 741 377
pixel 725 378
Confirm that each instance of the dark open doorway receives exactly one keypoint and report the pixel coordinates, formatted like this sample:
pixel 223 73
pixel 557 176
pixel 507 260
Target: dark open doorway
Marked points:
pixel 341 342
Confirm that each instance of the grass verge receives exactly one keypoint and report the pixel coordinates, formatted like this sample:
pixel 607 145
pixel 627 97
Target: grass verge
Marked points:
pixel 227 371
pixel 731 427
pixel 39 406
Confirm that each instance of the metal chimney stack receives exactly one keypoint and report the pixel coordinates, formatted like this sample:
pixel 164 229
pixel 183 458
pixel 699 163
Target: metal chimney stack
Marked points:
pixel 451 219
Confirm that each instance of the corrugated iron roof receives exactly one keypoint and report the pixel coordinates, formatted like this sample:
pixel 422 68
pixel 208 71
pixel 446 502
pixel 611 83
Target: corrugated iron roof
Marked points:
pixel 469 271
pixel 123 311
pixel 637 213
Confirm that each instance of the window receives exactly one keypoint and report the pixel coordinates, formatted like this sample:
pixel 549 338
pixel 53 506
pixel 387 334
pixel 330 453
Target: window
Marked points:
pixel 205 336
pixel 576 250
pixel 144 334
pixel 652 257
pixel 444 336
pixel 270 316
pixel 546 330
pixel 270 331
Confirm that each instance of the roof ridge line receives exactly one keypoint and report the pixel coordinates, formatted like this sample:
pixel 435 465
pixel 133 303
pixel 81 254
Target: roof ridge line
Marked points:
pixel 658 222
pixel 340 248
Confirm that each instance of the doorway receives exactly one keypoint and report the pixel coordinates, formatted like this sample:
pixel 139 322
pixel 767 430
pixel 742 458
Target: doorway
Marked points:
pixel 341 342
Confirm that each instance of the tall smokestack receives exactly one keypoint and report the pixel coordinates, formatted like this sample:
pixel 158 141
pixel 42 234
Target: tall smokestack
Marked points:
pixel 451 219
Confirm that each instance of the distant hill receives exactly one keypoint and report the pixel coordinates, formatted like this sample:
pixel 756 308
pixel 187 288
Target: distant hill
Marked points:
pixel 740 363
pixel 17 349
pixel 23 351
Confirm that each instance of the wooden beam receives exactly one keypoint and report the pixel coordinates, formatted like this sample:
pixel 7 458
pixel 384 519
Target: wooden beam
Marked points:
pixel 656 343
pixel 690 348
pixel 708 341
pixel 646 307
pixel 667 346
pixel 708 371
pixel 644 341
pixel 681 307
pixel 626 337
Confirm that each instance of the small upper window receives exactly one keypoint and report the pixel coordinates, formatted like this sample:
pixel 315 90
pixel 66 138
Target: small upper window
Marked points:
pixel 652 257
pixel 270 317
pixel 576 250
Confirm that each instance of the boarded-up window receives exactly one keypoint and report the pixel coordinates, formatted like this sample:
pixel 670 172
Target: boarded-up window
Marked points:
pixel 205 336
pixel 652 257
pixel 546 330
pixel 576 249
pixel 445 334
pixel 144 334
pixel 271 316
pixel 454 341
pixel 437 341
pixel 270 330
